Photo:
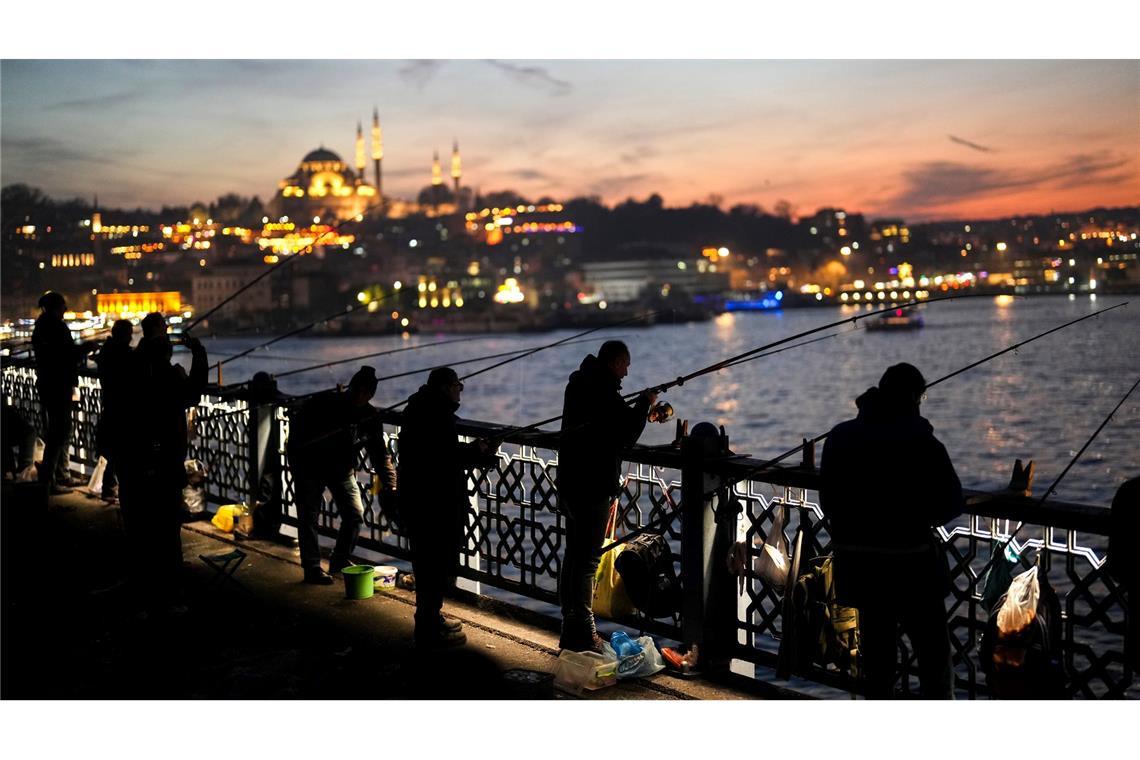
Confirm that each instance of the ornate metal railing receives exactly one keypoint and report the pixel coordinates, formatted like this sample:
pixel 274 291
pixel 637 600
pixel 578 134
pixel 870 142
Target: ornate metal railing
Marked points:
pixel 515 533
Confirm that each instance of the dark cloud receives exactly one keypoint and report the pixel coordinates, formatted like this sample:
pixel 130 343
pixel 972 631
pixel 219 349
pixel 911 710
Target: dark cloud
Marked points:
pixel 531 175
pixel 617 183
pixel 649 134
pixel 47 150
pixel 419 72
pixel 969 144
pixel 533 76
pixel 639 153
pixel 936 183
pixel 100 103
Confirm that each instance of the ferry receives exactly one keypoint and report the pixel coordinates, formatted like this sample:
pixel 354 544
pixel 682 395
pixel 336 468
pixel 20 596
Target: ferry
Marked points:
pixel 899 319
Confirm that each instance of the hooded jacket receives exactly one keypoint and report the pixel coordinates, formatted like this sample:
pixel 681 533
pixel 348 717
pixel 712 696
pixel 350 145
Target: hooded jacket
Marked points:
pixel 433 464
pixel 598 427
pixel 326 434
pixel 886 482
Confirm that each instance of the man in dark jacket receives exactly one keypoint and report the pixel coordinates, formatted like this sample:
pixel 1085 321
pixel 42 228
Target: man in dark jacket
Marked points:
pixel 597 428
pixel 151 466
pixel 57 374
pixel 114 361
pixel 886 483
pixel 325 437
pixel 434 499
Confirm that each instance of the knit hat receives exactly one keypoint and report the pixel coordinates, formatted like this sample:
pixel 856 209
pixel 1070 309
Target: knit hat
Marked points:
pixel 365 377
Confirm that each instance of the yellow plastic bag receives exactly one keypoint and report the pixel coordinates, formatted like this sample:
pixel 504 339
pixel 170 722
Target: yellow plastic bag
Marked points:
pixel 610 597
pixel 225 517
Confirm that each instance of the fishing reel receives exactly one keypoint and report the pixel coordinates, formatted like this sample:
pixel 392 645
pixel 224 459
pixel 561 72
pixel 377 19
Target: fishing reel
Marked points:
pixel 661 412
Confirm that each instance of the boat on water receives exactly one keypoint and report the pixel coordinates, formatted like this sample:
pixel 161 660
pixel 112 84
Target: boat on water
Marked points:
pixel 899 319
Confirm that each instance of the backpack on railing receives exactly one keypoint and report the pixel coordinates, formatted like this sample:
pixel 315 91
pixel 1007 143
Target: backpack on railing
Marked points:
pixel 1020 649
pixel 646 569
pixel 823 631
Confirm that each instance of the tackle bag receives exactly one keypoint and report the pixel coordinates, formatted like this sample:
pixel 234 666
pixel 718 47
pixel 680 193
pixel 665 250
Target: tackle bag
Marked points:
pixel 1020 649
pixel 610 597
pixel 824 631
pixel 646 566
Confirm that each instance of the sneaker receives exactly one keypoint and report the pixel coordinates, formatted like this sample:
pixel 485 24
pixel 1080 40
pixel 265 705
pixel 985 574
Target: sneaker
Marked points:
pixel 58 490
pixel 449 624
pixel 441 639
pixel 317 577
pixel 580 641
pixel 336 567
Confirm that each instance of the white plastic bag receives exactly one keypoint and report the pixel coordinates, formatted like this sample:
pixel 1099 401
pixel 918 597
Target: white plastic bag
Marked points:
pixel 194 500
pixel 645 663
pixel 1020 605
pixel 773 563
pixel 38 451
pixel 95 484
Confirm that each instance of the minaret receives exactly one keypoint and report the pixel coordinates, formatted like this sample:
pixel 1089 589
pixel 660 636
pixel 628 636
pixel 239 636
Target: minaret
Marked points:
pixel 359 153
pixel 456 171
pixel 436 178
pixel 96 228
pixel 377 151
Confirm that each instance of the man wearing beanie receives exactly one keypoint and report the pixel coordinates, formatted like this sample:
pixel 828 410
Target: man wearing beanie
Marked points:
pixel 434 499
pixel 887 482
pixel 325 437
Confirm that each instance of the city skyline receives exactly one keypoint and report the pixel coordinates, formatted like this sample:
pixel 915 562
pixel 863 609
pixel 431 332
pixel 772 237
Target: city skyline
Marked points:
pixel 923 140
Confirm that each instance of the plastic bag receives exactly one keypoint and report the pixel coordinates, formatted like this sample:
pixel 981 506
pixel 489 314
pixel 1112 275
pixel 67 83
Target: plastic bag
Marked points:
pixel 610 597
pixel 773 563
pixel 38 450
pixel 193 500
pixel 1019 607
pixel 95 484
pixel 226 515
pixel 998 577
pixel 646 662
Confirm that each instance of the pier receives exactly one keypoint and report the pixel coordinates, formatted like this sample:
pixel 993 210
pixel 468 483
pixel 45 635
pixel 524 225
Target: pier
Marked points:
pixel 515 541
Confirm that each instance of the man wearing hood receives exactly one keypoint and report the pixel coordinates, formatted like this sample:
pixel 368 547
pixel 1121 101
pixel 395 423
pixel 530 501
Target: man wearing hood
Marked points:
pixel 597 429
pixel 324 443
pixel 887 482
pixel 434 499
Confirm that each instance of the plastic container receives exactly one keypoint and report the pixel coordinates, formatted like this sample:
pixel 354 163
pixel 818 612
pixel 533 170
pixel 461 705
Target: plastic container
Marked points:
pixel 385 577
pixel 358 581
pixel 578 671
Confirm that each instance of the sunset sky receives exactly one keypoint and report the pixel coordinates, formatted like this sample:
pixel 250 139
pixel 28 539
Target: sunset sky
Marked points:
pixel 916 139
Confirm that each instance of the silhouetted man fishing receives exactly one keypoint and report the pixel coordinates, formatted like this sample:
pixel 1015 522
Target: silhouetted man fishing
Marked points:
pixel 57 375
pixel 325 436
pixel 434 499
pixel 151 460
pixel 114 362
pixel 597 428
pixel 886 483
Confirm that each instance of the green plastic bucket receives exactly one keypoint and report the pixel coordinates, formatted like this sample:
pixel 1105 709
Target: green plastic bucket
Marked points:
pixel 358 581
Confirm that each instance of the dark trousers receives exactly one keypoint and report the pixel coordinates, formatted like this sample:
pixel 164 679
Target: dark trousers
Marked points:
pixel 922 617
pixel 151 509
pixel 585 531
pixel 346 495
pixel 56 411
pixel 435 541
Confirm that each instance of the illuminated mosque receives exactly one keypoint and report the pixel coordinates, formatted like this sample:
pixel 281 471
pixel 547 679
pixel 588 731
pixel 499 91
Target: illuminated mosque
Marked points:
pixel 324 186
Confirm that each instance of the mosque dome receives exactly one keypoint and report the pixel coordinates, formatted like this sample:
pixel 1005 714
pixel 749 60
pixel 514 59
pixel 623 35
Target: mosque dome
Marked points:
pixel 320 154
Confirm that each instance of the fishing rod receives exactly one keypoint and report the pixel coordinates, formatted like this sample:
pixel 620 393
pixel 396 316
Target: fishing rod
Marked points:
pixel 381 353
pixel 742 357
pixel 776 460
pixel 1052 488
pixel 286 261
pixel 526 353
pixel 335 315
pixel 666 519
pixel 296 399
